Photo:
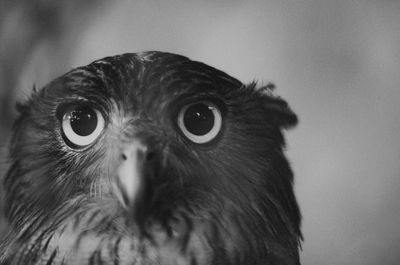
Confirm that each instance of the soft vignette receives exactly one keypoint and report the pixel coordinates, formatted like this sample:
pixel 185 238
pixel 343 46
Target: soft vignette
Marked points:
pixel 336 62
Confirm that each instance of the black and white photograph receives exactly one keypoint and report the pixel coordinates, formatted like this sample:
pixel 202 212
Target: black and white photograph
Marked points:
pixel 199 132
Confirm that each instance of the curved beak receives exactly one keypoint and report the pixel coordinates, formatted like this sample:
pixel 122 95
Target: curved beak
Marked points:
pixel 131 185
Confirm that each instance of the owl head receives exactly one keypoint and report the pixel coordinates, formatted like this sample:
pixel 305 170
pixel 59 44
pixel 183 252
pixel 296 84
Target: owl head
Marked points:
pixel 158 148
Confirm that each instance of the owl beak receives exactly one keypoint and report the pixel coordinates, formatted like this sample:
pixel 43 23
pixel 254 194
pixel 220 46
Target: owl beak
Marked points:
pixel 131 185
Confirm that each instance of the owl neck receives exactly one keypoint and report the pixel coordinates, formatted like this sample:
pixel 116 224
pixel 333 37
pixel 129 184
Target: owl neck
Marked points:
pixel 225 236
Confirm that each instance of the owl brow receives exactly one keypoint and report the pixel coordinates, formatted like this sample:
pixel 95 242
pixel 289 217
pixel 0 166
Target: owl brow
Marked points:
pixel 194 95
pixel 98 101
pixel 75 98
pixel 206 90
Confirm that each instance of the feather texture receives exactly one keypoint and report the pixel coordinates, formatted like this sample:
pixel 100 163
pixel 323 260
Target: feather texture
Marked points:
pixel 229 200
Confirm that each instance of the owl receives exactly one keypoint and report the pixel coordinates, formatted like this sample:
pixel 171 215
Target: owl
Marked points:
pixel 151 158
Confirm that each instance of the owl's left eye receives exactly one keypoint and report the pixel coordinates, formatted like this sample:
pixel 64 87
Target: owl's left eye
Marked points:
pixel 81 125
pixel 200 122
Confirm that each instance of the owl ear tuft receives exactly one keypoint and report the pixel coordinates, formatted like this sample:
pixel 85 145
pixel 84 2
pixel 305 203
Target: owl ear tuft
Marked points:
pixel 34 89
pixel 269 86
pixel 278 109
pixel 282 114
pixel 21 107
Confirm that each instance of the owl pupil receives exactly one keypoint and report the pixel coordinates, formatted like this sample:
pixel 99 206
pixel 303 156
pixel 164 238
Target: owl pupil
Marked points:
pixel 83 120
pixel 199 119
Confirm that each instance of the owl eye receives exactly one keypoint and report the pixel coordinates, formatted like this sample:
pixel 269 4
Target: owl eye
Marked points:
pixel 81 125
pixel 200 121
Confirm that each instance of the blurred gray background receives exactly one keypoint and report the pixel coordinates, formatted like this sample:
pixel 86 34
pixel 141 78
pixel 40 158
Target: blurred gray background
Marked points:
pixel 336 62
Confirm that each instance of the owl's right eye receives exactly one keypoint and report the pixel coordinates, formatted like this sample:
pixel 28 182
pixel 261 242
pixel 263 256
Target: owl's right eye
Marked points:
pixel 81 125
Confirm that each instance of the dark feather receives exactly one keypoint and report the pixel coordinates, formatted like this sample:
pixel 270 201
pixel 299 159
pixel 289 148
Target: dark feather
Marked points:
pixel 229 201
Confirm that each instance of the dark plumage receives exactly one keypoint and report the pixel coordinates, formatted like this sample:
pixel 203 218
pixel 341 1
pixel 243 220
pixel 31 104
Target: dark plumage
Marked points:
pixel 150 158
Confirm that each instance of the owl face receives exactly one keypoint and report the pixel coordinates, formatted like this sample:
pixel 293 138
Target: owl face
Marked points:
pixel 157 141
